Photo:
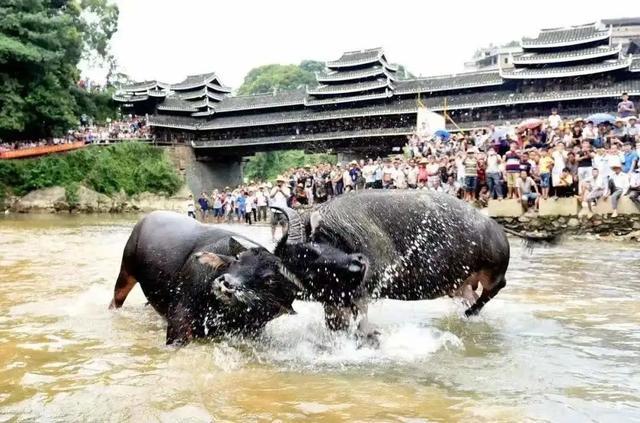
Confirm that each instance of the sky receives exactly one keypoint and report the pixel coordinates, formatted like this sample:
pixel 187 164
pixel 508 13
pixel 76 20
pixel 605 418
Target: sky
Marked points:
pixel 168 39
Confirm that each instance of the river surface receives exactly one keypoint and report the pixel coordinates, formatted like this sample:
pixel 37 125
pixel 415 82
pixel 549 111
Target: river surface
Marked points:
pixel 560 343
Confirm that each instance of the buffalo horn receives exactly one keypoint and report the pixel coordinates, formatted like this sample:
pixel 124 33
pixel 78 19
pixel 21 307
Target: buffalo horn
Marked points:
pixel 295 229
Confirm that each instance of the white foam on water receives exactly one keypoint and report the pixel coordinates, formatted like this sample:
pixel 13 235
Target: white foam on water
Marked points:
pixel 304 340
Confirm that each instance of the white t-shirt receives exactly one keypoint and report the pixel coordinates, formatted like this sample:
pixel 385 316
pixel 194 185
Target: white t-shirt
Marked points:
pixel 399 179
pixel 369 173
pixel 346 178
pixel 555 121
pixel 261 199
pixel 279 198
pixel 492 164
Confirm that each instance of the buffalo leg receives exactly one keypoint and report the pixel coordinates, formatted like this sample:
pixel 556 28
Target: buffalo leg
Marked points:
pixel 338 318
pixel 490 287
pixel 179 330
pixel 124 284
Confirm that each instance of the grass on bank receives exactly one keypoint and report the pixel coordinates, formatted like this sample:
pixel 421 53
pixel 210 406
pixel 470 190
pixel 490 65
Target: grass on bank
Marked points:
pixel 130 167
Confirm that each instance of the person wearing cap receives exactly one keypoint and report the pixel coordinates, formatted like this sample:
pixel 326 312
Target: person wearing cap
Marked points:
pixel 618 186
pixel 278 197
pixel 626 107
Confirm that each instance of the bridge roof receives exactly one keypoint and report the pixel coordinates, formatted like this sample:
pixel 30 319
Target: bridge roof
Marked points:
pixel 565 71
pixel 196 81
pixel 567 56
pixel 357 87
pixel 561 37
pixel 262 101
pixel 449 82
pixel 357 58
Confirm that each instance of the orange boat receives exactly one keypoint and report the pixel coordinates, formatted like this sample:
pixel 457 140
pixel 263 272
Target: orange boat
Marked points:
pixel 40 151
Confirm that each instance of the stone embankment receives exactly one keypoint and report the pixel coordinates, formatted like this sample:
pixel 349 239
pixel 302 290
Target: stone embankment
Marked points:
pixel 85 200
pixel 566 216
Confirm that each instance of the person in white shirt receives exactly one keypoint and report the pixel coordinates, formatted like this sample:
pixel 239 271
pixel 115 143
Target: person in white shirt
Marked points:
pixel 250 208
pixel 618 186
pixel 347 183
pixel 368 172
pixel 399 178
pixel 191 207
pixel 594 188
pixel 261 203
pixel 387 175
pixel 554 119
pixel 412 176
pixel 278 198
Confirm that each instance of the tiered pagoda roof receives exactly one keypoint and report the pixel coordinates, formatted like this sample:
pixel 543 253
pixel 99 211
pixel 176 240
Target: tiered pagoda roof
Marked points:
pixel 356 76
pixel 362 84
pixel 604 52
pixel 563 37
pixel 140 91
pixel 567 52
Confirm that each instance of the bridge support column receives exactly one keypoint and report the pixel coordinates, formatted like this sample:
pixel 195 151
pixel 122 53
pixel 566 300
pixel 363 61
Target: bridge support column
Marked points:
pixel 207 175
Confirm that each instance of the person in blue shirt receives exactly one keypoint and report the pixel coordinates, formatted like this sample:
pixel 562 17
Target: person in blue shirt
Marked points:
pixel 204 205
pixel 630 157
pixel 242 206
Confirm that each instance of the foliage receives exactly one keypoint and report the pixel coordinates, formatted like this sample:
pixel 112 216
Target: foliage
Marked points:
pixel 130 167
pixel 96 104
pixel 269 78
pixel 41 44
pixel 266 79
pixel 267 166
pixel 71 194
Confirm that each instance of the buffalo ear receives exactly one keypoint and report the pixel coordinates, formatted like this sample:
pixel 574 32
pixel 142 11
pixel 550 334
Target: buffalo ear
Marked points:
pixel 217 261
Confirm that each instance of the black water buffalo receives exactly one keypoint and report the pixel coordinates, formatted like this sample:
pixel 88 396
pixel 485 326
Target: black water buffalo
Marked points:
pixel 203 280
pixel 415 245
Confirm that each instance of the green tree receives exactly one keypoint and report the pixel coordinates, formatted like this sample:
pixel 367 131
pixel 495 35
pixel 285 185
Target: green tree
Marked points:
pixel 41 44
pixel 267 79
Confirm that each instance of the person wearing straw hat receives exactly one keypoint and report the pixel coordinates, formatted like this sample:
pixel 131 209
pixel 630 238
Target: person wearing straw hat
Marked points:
pixel 618 186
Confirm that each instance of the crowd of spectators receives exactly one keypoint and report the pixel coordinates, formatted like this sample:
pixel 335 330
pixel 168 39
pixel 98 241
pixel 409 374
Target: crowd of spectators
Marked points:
pixel 552 158
pixel 128 128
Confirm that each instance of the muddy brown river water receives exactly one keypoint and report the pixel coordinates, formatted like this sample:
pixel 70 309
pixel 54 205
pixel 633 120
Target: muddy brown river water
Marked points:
pixel 560 343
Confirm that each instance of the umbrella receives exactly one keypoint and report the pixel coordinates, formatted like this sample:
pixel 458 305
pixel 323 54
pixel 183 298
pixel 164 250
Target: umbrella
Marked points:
pixel 530 123
pixel 599 118
pixel 442 133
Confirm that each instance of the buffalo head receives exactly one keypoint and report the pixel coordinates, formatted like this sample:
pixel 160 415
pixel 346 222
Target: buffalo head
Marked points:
pixel 249 288
pixel 323 272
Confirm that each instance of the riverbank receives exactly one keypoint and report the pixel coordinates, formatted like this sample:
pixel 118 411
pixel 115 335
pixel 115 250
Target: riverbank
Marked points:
pixel 85 200
pixel 104 179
